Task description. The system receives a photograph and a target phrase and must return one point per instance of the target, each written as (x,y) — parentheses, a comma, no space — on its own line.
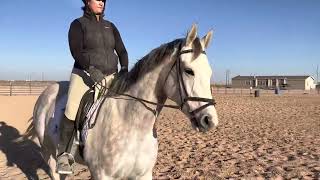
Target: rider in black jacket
(92,44)
(96,46)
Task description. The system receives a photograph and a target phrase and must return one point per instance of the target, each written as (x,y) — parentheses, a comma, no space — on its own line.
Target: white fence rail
(239,91)
(21,88)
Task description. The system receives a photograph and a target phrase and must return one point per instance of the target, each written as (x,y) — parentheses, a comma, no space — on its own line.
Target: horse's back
(48,109)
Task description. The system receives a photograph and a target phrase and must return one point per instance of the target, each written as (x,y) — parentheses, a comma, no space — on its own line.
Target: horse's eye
(189,71)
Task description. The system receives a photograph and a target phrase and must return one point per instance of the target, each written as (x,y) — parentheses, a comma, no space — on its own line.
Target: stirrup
(67,167)
(70,157)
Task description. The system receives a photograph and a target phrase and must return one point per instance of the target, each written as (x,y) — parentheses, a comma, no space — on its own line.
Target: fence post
(30,88)
(10,88)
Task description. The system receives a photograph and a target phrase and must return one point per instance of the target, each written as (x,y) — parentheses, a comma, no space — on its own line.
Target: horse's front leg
(52,164)
(147,176)
(99,175)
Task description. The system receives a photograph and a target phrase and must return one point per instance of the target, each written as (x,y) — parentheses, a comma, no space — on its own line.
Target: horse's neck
(131,115)
(146,87)
(150,88)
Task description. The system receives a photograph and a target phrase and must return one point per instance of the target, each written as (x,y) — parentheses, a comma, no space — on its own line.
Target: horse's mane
(122,83)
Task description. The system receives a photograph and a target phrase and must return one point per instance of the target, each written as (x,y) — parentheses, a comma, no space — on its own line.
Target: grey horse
(123,143)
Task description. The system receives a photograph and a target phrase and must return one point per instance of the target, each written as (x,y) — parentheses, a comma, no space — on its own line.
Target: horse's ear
(206,39)
(192,34)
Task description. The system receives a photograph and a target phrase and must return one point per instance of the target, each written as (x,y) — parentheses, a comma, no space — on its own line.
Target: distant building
(271,82)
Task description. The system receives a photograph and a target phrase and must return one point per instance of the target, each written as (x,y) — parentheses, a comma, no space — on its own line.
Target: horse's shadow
(24,154)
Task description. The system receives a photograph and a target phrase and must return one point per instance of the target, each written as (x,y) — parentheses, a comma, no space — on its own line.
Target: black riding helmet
(84,1)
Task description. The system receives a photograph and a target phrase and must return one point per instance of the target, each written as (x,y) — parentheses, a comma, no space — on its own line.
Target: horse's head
(188,83)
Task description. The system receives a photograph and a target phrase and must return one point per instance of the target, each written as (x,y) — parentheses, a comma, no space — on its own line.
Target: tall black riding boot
(67,131)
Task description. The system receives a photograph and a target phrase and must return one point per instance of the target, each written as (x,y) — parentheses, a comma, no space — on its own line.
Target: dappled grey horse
(123,143)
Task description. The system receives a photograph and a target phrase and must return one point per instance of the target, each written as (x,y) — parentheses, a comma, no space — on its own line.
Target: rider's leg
(79,84)
(66,140)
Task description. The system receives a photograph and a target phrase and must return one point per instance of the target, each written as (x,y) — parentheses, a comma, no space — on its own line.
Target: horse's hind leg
(53,163)
(48,158)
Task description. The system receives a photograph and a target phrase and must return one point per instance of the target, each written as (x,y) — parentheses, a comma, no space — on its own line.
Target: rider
(93,42)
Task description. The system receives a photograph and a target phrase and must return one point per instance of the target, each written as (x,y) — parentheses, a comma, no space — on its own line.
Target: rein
(182,87)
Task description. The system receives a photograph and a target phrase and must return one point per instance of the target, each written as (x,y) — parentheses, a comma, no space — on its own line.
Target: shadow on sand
(25,155)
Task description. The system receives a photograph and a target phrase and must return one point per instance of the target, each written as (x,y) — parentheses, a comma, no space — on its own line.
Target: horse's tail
(30,133)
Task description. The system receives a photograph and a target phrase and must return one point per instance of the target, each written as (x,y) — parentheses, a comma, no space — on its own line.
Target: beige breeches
(79,84)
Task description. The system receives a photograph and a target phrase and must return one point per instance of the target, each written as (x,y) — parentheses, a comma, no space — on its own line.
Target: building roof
(270,77)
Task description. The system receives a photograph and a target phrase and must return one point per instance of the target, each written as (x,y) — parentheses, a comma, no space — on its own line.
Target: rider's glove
(96,75)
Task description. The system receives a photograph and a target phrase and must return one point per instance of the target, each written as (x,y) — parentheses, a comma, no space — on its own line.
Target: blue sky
(262,37)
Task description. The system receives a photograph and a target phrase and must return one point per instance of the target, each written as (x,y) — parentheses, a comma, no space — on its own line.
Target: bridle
(182,88)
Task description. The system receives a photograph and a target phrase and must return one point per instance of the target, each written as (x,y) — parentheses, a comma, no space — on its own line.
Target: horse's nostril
(206,122)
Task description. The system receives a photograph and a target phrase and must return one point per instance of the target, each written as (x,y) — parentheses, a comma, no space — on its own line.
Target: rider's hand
(96,75)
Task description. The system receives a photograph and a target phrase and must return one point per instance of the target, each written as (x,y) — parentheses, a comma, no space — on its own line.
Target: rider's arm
(120,48)
(76,45)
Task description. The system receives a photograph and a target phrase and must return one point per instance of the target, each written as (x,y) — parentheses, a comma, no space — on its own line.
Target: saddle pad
(90,119)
